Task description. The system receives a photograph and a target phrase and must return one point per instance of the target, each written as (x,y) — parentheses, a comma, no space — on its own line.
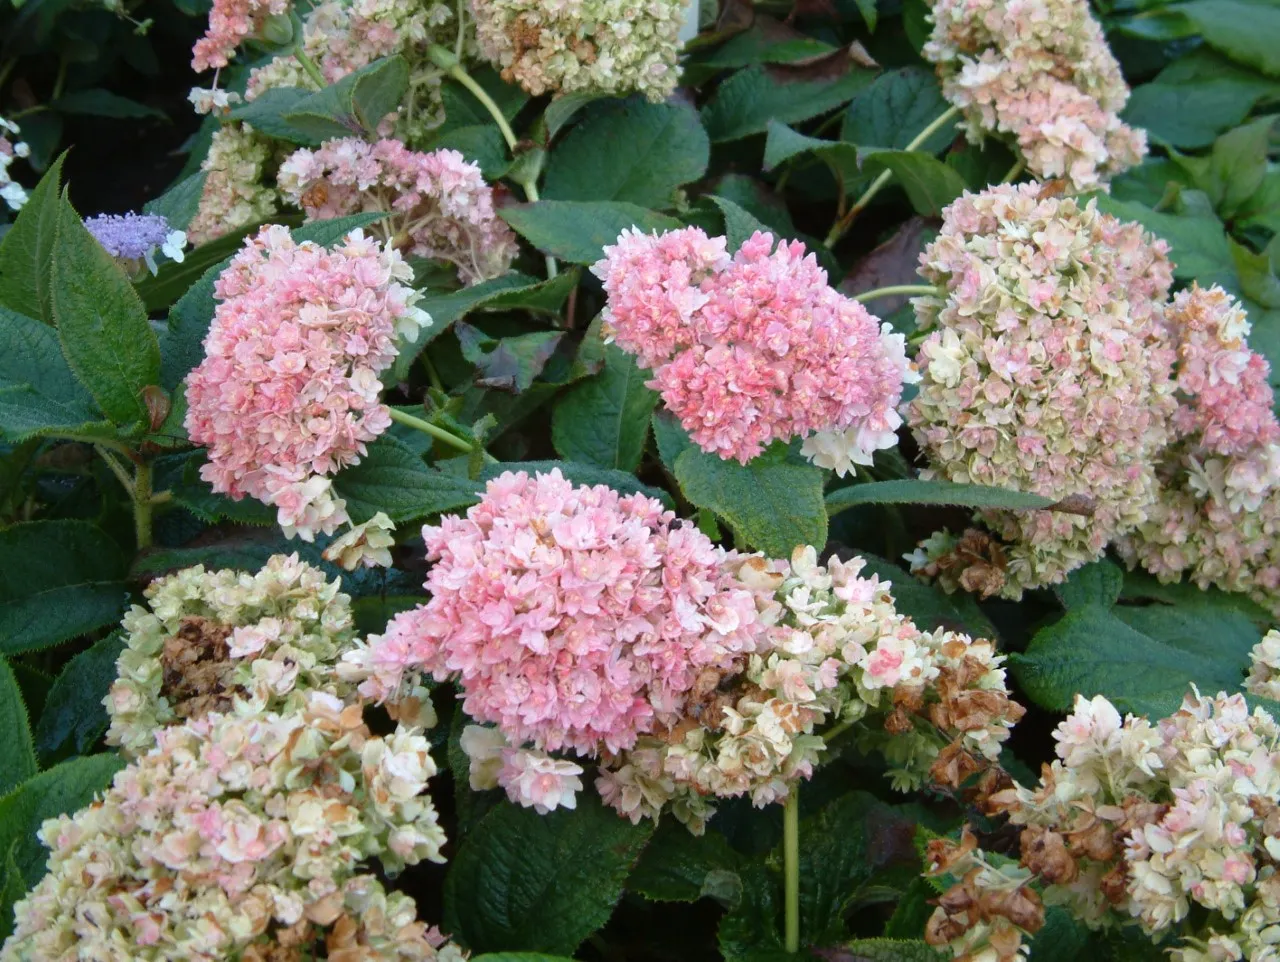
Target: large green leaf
(1091,651)
(834,861)
(178,204)
(27,248)
(604,420)
(74,717)
(1245,31)
(679,867)
(933,492)
(783,144)
(632,151)
(745,103)
(106,337)
(578,231)
(355,105)
(61,790)
(930,184)
(58,579)
(543,883)
(392,479)
(888,950)
(18,760)
(895,109)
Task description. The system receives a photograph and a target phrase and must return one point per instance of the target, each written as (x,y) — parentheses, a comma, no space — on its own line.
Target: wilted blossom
(11,192)
(1217,517)
(572,617)
(1046,370)
(235,193)
(134,238)
(1264,667)
(1039,71)
(750,349)
(602,46)
(1143,823)
(440,206)
(366,545)
(837,651)
(288,391)
(226,641)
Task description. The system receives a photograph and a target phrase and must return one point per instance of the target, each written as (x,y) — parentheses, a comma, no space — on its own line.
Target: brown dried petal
(1045,853)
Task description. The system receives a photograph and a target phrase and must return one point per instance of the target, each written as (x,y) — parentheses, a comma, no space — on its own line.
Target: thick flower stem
(895,290)
(452,65)
(845,222)
(142,504)
(791,869)
(439,433)
(309,66)
(1015,171)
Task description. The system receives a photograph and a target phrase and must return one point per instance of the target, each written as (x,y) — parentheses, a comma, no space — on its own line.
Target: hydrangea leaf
(679,867)
(910,491)
(739,224)
(773,506)
(604,420)
(12,888)
(18,762)
(745,103)
(266,113)
(1099,583)
(632,151)
(392,479)
(1092,651)
(1245,31)
(58,579)
(26,249)
(884,950)
(783,144)
(578,231)
(178,204)
(355,105)
(61,790)
(102,325)
(895,108)
(834,862)
(930,184)
(541,883)
(74,717)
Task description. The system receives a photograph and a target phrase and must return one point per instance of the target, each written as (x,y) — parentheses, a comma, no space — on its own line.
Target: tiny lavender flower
(1041,71)
(604,46)
(440,206)
(754,348)
(11,192)
(1046,370)
(288,390)
(131,238)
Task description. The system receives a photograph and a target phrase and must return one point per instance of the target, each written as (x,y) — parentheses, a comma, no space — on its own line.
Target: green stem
(116,468)
(894,290)
(142,504)
(1014,171)
(791,869)
(162,497)
(439,433)
(844,223)
(309,66)
(836,730)
(462,28)
(61,80)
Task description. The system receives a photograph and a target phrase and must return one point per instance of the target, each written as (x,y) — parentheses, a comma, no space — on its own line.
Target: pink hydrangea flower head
(1038,71)
(230,23)
(1047,369)
(440,206)
(756,347)
(573,617)
(603,46)
(288,390)
(1217,517)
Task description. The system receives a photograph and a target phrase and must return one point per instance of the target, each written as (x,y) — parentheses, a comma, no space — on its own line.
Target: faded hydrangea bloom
(133,239)
(235,192)
(836,651)
(1217,518)
(755,348)
(224,641)
(440,206)
(288,391)
(1264,667)
(1137,821)
(11,192)
(602,46)
(1046,369)
(365,545)
(1040,72)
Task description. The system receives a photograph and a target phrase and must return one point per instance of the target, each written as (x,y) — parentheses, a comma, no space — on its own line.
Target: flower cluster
(288,390)
(134,238)
(11,192)
(750,349)
(230,23)
(235,193)
(1264,667)
(254,795)
(603,46)
(1041,72)
(1218,513)
(934,703)
(1047,370)
(572,617)
(366,545)
(440,206)
(226,641)
(1140,821)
